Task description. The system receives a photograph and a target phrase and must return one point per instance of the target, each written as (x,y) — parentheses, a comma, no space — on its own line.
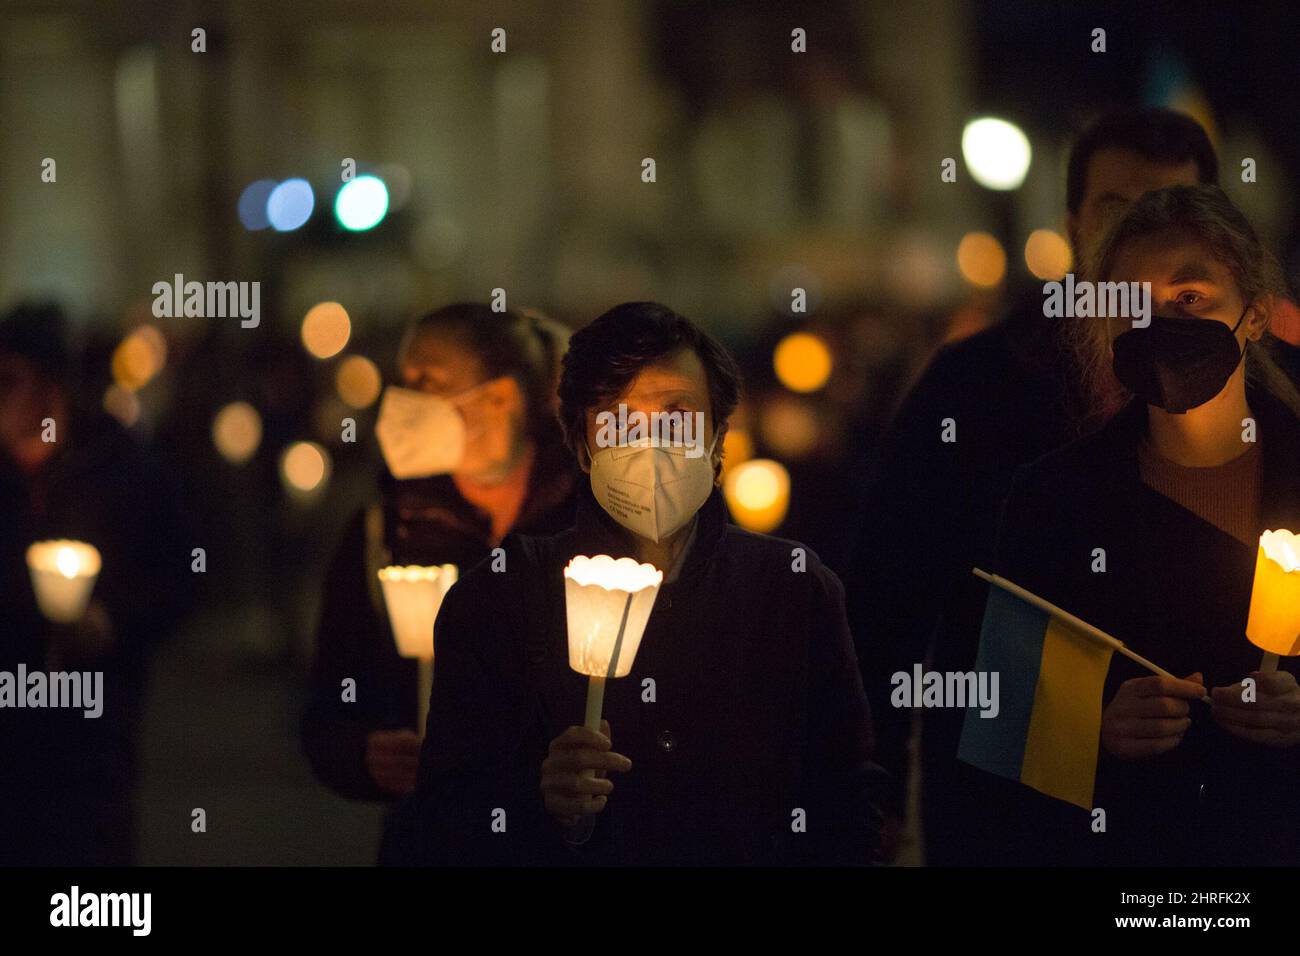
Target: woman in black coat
(451,492)
(1149,530)
(741,735)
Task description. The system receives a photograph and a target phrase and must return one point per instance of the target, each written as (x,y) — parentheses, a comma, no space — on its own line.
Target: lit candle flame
(1283,547)
(67,562)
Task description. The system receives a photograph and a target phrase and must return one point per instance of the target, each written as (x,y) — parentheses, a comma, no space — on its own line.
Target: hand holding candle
(63,576)
(607,605)
(1272,715)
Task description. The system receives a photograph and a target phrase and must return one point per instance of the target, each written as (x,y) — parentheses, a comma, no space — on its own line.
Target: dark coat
(1176,590)
(758,711)
(422,521)
(67,782)
(930,515)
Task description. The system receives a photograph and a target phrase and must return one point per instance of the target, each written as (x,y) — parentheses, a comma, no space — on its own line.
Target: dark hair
(604,357)
(37,331)
(1207,216)
(1159,135)
(523,344)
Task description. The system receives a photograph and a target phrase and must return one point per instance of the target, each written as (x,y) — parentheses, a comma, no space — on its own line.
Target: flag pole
(1030,597)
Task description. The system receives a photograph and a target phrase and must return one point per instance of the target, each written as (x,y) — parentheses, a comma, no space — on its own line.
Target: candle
(413,595)
(63,576)
(607,603)
(1274,620)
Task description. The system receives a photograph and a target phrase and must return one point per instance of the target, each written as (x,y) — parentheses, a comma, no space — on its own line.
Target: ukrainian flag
(1051,677)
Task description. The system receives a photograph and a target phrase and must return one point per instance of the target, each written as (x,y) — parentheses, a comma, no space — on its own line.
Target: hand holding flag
(1054,671)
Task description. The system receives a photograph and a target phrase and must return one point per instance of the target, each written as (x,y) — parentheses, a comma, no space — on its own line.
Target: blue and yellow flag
(1051,678)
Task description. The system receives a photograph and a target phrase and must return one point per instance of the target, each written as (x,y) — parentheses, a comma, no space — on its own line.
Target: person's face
(1116,178)
(494,413)
(25,399)
(675,383)
(1187,282)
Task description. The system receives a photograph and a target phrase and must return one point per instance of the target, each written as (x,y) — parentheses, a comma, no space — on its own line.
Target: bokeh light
(789,426)
(252,204)
(981,259)
(358,381)
(326,329)
(802,362)
(1047,254)
(138,358)
(304,469)
(290,204)
(237,432)
(737,448)
(362,203)
(123,404)
(997,153)
(758,494)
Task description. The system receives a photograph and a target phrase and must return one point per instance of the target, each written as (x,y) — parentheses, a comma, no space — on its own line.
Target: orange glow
(737,448)
(981,260)
(758,494)
(326,330)
(1047,254)
(138,358)
(1274,620)
(789,426)
(122,404)
(237,432)
(304,467)
(358,381)
(802,362)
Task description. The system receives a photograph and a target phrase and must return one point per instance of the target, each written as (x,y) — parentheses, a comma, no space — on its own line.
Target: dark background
(522,171)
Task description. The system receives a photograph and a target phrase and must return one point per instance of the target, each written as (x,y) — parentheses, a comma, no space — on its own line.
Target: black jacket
(1176,590)
(423,521)
(930,514)
(757,712)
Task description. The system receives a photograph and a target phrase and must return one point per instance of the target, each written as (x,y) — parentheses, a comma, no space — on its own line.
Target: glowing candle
(63,576)
(607,603)
(1274,621)
(413,596)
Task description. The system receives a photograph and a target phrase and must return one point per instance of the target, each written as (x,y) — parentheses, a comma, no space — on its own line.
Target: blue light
(362,203)
(290,204)
(252,204)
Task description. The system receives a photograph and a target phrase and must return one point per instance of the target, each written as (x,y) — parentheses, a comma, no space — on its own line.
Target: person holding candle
(1149,530)
(741,734)
(472,452)
(70,471)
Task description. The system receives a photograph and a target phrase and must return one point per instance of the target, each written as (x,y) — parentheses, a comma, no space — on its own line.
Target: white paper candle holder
(607,603)
(63,577)
(413,595)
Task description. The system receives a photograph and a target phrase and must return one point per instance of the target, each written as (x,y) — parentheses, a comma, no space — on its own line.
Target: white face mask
(651,491)
(421,434)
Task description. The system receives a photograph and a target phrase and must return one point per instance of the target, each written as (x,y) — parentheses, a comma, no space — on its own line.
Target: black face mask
(1177,363)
